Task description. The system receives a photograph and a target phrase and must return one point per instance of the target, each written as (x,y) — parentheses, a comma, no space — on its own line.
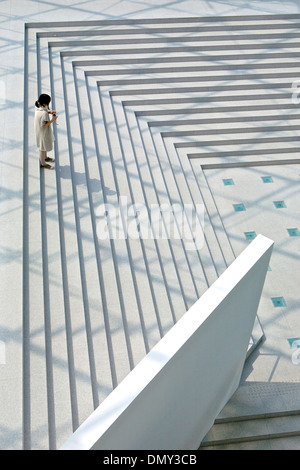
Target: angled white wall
(171,398)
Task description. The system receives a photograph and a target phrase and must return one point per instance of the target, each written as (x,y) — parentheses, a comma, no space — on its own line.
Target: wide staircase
(266,431)
(144,106)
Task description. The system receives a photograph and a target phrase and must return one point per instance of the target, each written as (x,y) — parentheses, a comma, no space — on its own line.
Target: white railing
(172,397)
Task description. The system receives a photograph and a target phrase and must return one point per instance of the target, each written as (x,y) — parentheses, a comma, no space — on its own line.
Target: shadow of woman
(93,184)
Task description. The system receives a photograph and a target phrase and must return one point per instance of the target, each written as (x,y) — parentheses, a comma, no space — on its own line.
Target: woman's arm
(50,122)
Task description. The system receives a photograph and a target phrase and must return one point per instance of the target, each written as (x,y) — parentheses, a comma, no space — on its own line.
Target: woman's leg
(43,159)
(43,155)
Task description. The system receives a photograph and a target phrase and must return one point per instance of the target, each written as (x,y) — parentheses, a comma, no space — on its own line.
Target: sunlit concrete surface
(130,126)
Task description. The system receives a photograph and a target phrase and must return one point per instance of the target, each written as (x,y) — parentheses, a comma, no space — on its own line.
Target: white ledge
(171,398)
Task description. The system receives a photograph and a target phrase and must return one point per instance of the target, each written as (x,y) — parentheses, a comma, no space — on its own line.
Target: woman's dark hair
(43,99)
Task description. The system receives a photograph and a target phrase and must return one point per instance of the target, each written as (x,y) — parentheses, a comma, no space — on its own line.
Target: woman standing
(43,131)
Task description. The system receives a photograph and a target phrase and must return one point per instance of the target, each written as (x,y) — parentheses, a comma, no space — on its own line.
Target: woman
(43,131)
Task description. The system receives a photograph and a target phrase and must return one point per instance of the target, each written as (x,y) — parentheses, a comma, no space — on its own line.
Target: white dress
(44,138)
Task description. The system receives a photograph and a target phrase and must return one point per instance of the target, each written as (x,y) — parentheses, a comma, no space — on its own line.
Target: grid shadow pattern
(145,108)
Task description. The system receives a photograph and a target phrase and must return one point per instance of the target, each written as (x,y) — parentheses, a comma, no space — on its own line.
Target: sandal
(48,159)
(49,167)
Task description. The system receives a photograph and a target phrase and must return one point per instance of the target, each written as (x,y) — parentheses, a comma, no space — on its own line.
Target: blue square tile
(279,204)
(294,342)
(293,232)
(239,207)
(250,235)
(228,182)
(278,302)
(267,179)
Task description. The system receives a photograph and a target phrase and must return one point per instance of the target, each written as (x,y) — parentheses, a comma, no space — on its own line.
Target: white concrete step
(253,431)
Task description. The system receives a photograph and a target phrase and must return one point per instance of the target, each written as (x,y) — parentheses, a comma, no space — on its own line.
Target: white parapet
(172,397)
